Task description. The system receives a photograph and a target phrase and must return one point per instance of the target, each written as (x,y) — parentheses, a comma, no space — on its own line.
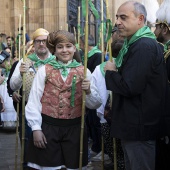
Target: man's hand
(110,66)
(39,139)
(23,68)
(16,97)
(2,78)
(86,86)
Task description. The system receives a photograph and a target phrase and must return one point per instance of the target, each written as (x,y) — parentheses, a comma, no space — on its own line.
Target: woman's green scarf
(38,62)
(143,32)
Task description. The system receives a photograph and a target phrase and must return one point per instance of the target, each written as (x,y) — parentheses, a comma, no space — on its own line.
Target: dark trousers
(28,133)
(139,155)
(94,129)
(163,154)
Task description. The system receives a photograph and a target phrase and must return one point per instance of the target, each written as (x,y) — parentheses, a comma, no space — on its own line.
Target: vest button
(60,105)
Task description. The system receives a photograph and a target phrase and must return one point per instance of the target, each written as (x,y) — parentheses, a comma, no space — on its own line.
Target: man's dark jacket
(139,89)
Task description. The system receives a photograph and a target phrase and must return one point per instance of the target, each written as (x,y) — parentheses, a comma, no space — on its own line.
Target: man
(40,57)
(30,67)
(10,44)
(92,120)
(2,43)
(137,79)
(162,33)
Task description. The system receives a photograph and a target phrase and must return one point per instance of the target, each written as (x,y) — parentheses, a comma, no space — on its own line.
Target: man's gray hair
(91,40)
(140,9)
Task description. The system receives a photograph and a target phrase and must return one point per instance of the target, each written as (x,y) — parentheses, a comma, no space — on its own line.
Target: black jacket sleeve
(10,91)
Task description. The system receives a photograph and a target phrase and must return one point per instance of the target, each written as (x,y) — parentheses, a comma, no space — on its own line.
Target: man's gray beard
(42,53)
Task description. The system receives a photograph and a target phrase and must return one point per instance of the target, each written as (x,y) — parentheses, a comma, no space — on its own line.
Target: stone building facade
(49,14)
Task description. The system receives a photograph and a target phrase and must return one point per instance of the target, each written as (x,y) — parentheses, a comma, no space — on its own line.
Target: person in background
(34,61)
(2,43)
(162,33)
(9,115)
(103,112)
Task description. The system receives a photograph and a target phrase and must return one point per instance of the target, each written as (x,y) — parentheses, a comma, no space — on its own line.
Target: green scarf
(102,65)
(93,51)
(166,46)
(143,32)
(64,72)
(38,62)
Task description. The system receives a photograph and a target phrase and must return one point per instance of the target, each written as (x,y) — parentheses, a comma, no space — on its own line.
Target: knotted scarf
(38,62)
(142,32)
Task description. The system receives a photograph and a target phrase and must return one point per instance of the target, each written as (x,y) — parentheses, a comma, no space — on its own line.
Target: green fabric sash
(92,7)
(73,90)
(38,62)
(64,72)
(166,46)
(143,32)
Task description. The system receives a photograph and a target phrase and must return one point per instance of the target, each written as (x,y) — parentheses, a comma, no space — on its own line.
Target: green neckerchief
(64,72)
(38,62)
(102,65)
(166,46)
(143,32)
(93,51)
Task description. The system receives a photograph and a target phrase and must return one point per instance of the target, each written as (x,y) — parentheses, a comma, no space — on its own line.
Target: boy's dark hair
(12,38)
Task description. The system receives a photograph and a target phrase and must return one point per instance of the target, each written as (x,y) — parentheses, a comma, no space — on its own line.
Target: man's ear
(165,30)
(141,19)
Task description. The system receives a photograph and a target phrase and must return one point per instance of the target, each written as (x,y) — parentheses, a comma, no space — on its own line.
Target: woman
(54,107)
(8,115)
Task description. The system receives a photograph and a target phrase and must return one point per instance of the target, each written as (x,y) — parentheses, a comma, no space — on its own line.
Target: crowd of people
(126,96)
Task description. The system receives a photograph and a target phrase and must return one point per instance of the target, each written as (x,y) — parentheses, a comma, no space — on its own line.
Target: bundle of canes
(84,95)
